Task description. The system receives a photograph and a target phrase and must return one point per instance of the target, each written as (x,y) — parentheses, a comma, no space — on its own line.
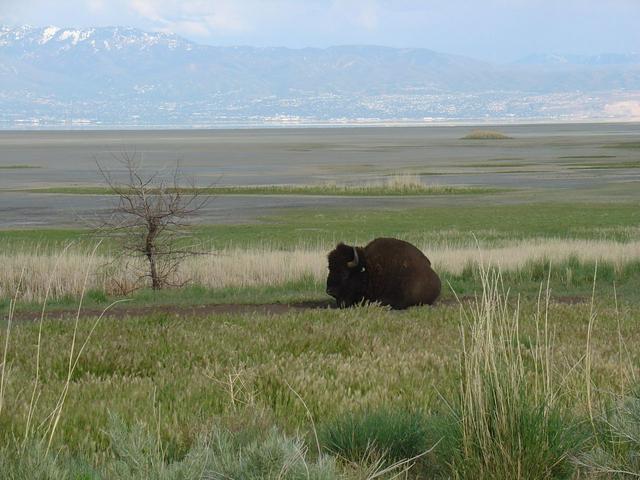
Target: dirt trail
(123,310)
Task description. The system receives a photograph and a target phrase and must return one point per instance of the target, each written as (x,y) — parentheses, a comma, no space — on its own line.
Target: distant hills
(605,59)
(124,76)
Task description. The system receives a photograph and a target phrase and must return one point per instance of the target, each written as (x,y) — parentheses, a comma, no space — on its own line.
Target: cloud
(216,18)
(364,14)
(96,6)
(368,18)
(194,17)
(186,28)
(147,9)
(493,29)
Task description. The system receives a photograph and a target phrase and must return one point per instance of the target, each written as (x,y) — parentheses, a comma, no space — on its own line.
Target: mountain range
(121,76)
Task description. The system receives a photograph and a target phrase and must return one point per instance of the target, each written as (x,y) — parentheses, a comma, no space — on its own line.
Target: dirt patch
(230,308)
(181,310)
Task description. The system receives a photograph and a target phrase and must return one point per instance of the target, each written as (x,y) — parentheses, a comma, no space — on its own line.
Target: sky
(493,30)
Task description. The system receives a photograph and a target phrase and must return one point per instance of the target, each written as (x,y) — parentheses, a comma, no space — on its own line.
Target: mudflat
(555,162)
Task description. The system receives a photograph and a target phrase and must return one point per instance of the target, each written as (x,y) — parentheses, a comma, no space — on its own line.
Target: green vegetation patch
(319,190)
(179,377)
(586,156)
(451,224)
(441,224)
(486,135)
(625,145)
(18,167)
(136,452)
(391,434)
(617,449)
(603,166)
(499,165)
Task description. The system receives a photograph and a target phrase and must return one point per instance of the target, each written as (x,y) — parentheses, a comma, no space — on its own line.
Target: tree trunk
(150,252)
(153,270)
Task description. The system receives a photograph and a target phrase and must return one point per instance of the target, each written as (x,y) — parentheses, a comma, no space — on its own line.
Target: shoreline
(319,125)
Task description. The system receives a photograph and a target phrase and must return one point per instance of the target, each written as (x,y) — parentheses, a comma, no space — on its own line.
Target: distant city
(123,77)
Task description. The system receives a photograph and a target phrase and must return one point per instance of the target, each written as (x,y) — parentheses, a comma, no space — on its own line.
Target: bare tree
(151,216)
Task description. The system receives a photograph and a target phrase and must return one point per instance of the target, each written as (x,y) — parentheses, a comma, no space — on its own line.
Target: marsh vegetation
(486,135)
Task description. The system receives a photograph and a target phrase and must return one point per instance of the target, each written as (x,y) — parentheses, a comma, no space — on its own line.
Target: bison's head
(347,279)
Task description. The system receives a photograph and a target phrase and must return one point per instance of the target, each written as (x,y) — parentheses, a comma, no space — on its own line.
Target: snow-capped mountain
(122,75)
(51,39)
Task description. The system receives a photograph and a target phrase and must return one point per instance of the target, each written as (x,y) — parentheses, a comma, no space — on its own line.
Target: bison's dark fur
(389,271)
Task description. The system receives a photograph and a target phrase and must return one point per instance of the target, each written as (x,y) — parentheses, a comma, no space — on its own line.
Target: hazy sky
(488,29)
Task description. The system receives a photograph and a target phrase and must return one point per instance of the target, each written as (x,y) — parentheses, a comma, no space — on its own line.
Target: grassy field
(345,394)
(311,372)
(448,224)
(240,265)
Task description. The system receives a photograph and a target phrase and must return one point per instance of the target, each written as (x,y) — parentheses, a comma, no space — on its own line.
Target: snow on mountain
(25,38)
(48,34)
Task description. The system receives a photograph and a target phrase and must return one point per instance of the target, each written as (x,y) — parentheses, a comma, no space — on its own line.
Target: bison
(389,271)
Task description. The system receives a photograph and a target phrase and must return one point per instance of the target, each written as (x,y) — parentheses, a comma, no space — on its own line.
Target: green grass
(191,391)
(192,295)
(501,165)
(318,190)
(440,224)
(586,156)
(18,167)
(625,145)
(183,375)
(603,166)
(393,435)
(485,135)
(52,237)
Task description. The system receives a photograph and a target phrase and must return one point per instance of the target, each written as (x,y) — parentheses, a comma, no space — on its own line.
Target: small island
(486,135)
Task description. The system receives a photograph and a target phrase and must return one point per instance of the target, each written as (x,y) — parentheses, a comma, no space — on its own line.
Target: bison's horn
(354,263)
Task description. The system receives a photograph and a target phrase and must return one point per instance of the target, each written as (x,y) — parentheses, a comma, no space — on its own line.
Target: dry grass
(396,184)
(508,413)
(63,271)
(517,255)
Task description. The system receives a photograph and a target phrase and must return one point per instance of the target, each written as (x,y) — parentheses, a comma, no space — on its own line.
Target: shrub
(32,462)
(220,455)
(617,447)
(485,135)
(511,426)
(394,435)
